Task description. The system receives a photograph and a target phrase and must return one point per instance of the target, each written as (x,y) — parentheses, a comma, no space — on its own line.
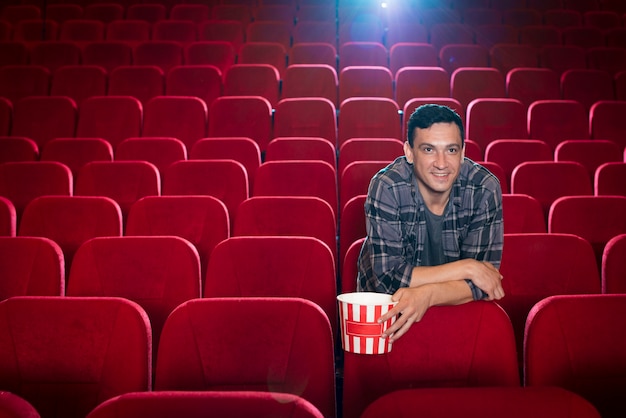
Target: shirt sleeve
(485,238)
(383,266)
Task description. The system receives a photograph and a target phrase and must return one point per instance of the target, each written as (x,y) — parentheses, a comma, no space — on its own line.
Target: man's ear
(408,152)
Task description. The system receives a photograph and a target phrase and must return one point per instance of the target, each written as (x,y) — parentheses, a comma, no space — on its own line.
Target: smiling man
(434,224)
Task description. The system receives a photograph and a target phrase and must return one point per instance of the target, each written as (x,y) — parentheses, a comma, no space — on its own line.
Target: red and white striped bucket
(358,314)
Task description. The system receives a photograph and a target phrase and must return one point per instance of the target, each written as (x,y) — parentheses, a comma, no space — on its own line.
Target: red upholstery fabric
(470,402)
(613,268)
(365,81)
(202,81)
(18,148)
(79,82)
(310,80)
(306,116)
(76,152)
(453,56)
(271,266)
(529,84)
(113,118)
(142,82)
(469,83)
(148,12)
(220,54)
(546,181)
(32,266)
(492,119)
(412,82)
(131,31)
(164,54)
(108,54)
(249,116)
(465,345)
(287,215)
(123,181)
(355,179)
(369,149)
(544,114)
(273,30)
(298,178)
(301,148)
(6,116)
(411,54)
(180,117)
(262,344)
(362,54)
(195,12)
(231,31)
(317,50)
(241,149)
(8,218)
(609,178)
(83,351)
(18,81)
(21,182)
(561,58)
(522,214)
(510,55)
(368,117)
(71,220)
(157,272)
(192,178)
(577,343)
(587,86)
(179,31)
(13,406)
(54,54)
(193,404)
(591,153)
(43,118)
(201,220)
(595,218)
(160,151)
(604,120)
(551,272)
(272,53)
(509,153)
(253,80)
(349,270)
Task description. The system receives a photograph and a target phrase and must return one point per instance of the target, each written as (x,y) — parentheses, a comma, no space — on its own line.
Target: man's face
(436,155)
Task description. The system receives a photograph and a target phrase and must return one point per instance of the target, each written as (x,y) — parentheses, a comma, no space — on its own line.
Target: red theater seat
(76,152)
(160,151)
(545,121)
(142,82)
(194,404)
(301,148)
(480,352)
(18,148)
(8,218)
(233,336)
(79,82)
(42,118)
(31,266)
(522,214)
(368,117)
(202,81)
(490,119)
(86,350)
(253,80)
(591,153)
(531,84)
(365,81)
(306,117)
(201,220)
(613,269)
(220,54)
(310,80)
(274,266)
(575,342)
(609,179)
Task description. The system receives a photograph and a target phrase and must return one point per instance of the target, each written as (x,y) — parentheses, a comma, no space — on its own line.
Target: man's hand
(411,307)
(486,277)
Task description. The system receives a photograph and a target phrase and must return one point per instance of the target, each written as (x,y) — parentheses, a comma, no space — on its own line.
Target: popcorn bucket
(358,316)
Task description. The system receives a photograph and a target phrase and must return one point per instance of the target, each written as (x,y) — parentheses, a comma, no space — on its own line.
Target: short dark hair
(426,115)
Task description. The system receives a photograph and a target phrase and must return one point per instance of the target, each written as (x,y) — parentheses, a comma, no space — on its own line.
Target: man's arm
(413,303)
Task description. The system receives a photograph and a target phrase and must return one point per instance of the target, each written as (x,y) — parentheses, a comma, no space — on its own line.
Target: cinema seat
(480,351)
(14,406)
(157,150)
(86,350)
(18,148)
(522,214)
(31,266)
(42,118)
(194,404)
(261,344)
(201,220)
(76,152)
(275,266)
(576,343)
(608,179)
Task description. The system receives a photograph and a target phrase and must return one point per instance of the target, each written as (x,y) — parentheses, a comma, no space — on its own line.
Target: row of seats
(167,54)
(287,34)
(115,118)
(559,207)
(264,344)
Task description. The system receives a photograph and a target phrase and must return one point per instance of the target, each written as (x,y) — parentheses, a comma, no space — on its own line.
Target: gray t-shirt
(433,247)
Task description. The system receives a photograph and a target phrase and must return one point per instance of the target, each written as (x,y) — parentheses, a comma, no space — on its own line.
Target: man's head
(426,115)
(435,147)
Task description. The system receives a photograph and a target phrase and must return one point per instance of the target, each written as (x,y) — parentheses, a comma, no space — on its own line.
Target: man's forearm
(451,293)
(449,272)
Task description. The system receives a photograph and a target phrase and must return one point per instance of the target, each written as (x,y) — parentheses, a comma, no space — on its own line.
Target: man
(434,224)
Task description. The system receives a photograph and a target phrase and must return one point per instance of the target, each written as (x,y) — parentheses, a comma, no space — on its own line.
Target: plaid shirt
(396,225)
